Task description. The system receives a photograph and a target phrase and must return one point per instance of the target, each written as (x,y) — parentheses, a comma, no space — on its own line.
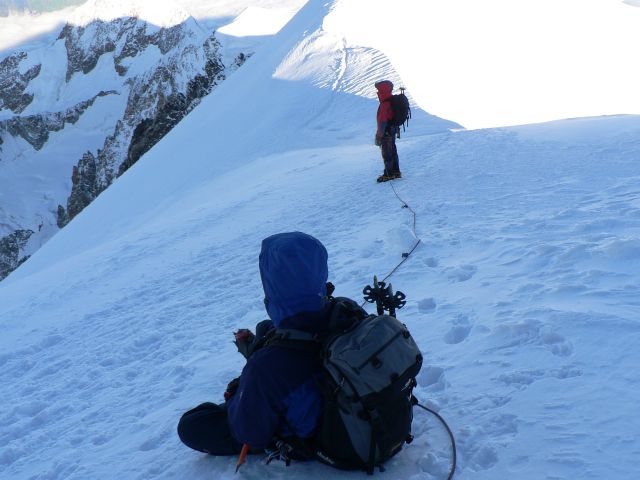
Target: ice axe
(382,295)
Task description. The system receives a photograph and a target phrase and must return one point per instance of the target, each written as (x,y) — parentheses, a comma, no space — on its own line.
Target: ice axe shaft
(243,456)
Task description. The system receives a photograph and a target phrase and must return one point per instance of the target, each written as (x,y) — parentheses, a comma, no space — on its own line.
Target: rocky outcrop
(11,248)
(13,83)
(35,129)
(150,130)
(126,37)
(83,56)
(85,185)
(156,103)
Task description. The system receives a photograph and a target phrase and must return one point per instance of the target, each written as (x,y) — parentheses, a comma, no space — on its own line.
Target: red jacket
(385,112)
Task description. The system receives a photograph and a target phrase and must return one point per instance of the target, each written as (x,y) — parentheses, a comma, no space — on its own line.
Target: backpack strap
(344,313)
(290,338)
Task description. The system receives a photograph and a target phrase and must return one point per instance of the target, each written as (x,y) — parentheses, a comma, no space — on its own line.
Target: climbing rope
(454,455)
(405,255)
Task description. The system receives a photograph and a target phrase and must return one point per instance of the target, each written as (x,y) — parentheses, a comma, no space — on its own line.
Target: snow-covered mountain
(75,114)
(522,294)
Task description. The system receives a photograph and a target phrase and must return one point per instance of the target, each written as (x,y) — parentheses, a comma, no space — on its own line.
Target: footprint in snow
(461,273)
(472,445)
(431,262)
(426,305)
(433,466)
(520,379)
(459,331)
(432,378)
(531,332)
(457,334)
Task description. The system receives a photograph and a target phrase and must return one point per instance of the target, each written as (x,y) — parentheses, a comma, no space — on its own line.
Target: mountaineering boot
(384,178)
(396,175)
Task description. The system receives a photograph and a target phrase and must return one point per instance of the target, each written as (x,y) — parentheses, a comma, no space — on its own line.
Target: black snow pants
(206,429)
(390,152)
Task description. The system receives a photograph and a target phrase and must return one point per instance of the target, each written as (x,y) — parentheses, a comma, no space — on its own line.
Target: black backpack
(401,109)
(370,363)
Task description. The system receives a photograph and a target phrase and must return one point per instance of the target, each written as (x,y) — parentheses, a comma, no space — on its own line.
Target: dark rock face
(150,130)
(83,57)
(11,247)
(155,105)
(13,83)
(126,37)
(85,185)
(61,217)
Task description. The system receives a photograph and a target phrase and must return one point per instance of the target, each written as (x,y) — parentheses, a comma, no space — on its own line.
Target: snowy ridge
(257,21)
(161,14)
(522,294)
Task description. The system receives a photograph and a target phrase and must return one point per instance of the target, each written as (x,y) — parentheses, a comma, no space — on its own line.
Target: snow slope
(522,294)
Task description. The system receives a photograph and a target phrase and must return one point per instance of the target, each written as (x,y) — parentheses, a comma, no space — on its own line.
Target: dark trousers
(390,153)
(206,429)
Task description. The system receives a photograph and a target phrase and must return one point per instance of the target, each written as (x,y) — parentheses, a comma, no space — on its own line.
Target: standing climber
(386,132)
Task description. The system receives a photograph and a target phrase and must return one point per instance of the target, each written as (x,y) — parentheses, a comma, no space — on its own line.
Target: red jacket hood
(385,90)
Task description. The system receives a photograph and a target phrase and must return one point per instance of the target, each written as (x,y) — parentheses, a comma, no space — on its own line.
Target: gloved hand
(244,339)
(378,140)
(231,389)
(330,289)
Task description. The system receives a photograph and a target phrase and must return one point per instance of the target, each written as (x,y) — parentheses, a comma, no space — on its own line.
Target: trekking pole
(243,456)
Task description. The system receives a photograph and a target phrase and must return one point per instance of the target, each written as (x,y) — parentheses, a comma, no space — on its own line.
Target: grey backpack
(370,364)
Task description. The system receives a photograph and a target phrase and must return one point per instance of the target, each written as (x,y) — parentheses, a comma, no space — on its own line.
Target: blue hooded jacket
(278,389)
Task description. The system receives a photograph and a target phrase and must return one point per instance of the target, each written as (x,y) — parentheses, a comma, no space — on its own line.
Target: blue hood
(293,268)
